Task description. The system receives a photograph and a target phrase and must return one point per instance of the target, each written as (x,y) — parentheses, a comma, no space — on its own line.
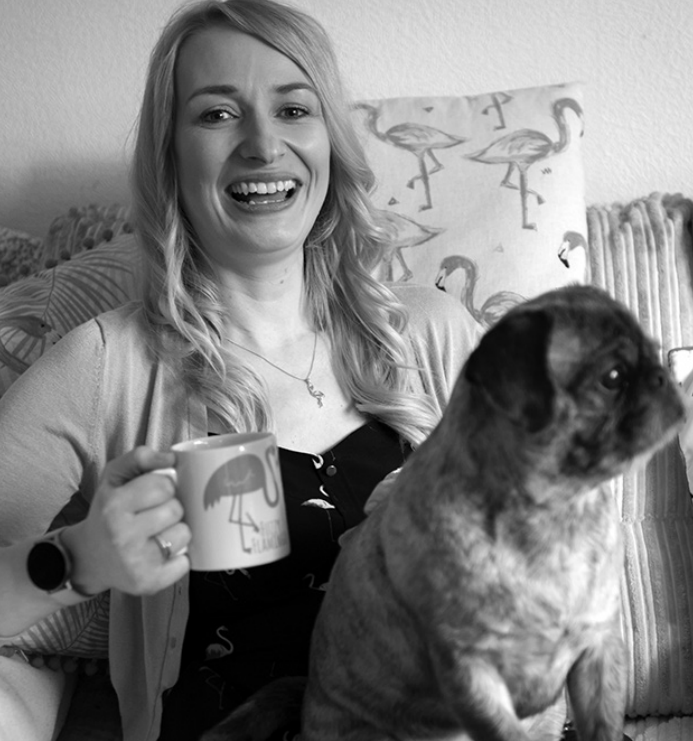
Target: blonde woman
(251,202)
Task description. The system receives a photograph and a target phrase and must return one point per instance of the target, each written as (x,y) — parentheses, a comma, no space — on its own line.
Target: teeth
(263,188)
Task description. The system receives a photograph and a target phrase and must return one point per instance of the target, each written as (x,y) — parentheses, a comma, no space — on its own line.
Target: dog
(486,581)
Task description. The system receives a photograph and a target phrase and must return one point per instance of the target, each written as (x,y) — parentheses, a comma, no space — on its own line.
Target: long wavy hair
(182,304)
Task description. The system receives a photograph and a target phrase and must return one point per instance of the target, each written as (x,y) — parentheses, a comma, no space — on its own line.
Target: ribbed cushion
(641,253)
(660,729)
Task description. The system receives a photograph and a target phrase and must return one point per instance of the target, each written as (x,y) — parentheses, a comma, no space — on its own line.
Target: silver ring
(165,546)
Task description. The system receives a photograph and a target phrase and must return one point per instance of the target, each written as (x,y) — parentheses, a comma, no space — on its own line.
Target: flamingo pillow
(485,193)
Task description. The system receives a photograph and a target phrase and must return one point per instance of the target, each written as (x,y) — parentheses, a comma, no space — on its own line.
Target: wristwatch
(49,565)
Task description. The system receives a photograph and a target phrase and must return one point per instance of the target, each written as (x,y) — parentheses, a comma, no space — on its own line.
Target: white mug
(231,490)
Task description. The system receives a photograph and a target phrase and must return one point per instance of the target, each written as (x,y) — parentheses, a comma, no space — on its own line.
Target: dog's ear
(510,365)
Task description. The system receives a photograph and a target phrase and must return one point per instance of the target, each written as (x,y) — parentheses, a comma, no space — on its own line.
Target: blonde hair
(362,318)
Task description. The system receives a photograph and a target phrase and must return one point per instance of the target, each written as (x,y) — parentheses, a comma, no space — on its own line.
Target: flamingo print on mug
(231,490)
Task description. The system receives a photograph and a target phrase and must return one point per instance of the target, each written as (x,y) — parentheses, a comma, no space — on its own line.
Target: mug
(231,490)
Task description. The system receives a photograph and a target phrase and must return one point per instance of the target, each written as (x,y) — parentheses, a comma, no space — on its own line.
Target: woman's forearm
(22,603)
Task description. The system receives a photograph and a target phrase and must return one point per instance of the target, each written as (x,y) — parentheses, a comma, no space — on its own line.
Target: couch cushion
(79,630)
(485,193)
(660,729)
(640,252)
(85,227)
(37,311)
(20,255)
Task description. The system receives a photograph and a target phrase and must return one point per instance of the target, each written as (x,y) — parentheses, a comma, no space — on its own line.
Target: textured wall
(72,74)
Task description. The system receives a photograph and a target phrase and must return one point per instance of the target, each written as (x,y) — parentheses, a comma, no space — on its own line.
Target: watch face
(46,566)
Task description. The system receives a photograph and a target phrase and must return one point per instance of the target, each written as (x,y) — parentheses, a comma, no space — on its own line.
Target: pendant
(314,392)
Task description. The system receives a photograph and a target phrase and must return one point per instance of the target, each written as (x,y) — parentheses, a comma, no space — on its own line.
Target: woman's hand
(116,545)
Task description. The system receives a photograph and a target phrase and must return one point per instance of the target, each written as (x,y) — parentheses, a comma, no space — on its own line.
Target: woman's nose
(260,141)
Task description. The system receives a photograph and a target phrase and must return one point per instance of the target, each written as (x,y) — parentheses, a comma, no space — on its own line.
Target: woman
(259,312)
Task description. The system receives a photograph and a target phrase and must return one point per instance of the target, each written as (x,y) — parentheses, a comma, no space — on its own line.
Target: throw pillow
(484,193)
(640,253)
(36,312)
(85,228)
(20,255)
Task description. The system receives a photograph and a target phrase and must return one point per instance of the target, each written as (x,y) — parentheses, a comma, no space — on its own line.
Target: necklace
(315,393)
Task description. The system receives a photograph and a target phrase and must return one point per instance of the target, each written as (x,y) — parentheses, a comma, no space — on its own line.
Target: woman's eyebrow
(291,86)
(230,90)
(227,90)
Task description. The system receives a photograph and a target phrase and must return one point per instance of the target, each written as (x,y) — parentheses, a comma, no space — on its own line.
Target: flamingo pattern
(322,504)
(419,139)
(406,233)
(311,583)
(215,682)
(521,149)
(493,308)
(498,100)
(237,478)
(571,241)
(219,649)
(219,579)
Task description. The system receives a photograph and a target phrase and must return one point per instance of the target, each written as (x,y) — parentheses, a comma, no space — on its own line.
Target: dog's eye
(614,378)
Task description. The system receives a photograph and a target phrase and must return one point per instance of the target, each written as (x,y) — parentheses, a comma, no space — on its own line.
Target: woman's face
(251,149)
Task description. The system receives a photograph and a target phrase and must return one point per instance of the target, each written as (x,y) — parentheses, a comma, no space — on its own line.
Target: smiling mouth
(262,193)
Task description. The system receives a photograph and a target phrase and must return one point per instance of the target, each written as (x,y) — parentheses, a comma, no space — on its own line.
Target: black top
(249,626)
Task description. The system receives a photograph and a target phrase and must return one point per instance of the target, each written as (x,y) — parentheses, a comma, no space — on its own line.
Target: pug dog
(486,582)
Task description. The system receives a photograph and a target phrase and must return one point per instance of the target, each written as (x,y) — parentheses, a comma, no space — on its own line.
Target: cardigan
(107,393)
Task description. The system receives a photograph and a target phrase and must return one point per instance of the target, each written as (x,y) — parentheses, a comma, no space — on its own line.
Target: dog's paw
(381,491)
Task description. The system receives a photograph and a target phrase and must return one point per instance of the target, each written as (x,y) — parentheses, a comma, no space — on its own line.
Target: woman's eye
(614,378)
(216,115)
(294,111)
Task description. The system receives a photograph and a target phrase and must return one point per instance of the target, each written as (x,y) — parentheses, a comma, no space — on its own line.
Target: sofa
(485,198)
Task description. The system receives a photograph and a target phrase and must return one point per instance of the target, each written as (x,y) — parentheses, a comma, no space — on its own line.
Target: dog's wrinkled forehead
(587,323)
(587,309)
(578,303)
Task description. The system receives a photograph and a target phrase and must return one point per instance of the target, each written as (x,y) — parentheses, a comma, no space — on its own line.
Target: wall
(72,72)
